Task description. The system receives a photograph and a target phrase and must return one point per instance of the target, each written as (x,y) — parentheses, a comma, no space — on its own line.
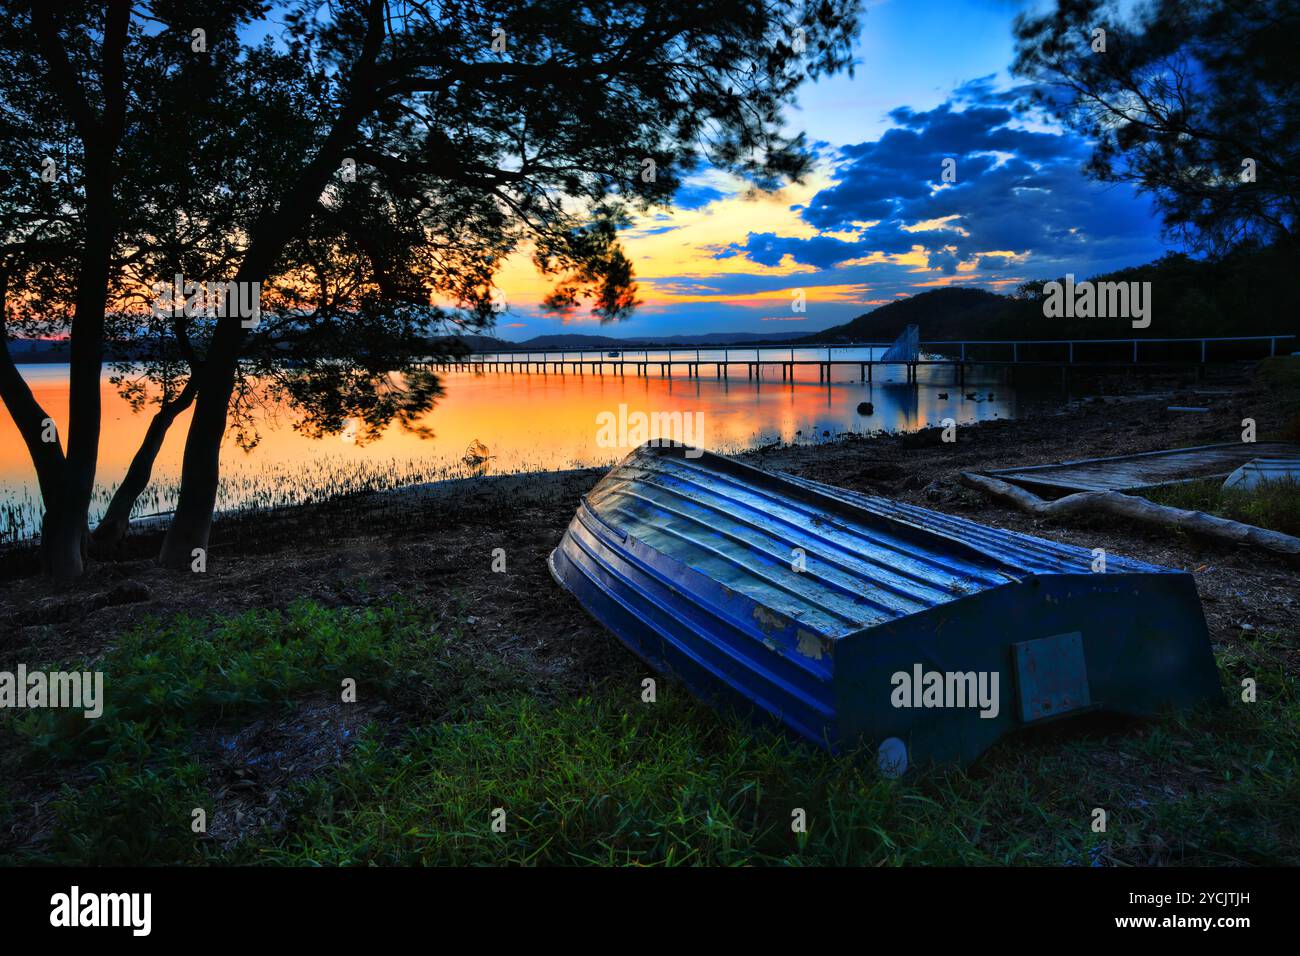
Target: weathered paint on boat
(805,603)
(1151,469)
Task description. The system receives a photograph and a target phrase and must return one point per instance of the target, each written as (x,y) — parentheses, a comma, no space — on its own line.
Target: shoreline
(1113,389)
(438,537)
(429,554)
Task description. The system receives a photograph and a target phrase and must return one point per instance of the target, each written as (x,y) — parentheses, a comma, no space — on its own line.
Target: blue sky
(876,221)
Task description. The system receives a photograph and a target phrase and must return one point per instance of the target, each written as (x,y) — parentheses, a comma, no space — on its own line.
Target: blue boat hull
(835,613)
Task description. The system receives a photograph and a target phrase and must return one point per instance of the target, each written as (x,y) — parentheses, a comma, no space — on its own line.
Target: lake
(528,422)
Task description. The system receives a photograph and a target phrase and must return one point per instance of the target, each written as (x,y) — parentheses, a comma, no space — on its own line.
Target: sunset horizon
(874,221)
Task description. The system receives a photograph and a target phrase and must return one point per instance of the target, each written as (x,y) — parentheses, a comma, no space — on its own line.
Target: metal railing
(709,354)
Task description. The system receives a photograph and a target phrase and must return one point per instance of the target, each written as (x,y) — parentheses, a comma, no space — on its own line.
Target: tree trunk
(63,544)
(113,526)
(64,529)
(1138,509)
(62,551)
(200,470)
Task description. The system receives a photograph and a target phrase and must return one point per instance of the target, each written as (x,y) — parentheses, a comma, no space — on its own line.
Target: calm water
(528,422)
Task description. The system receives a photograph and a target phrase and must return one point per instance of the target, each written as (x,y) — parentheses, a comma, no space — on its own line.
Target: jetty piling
(941,354)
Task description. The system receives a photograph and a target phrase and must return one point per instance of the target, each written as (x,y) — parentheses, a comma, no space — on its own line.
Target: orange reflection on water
(527,421)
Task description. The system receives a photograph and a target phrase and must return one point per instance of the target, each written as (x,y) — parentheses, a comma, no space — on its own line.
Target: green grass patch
(1274,505)
(607,779)
(1281,376)
(136,770)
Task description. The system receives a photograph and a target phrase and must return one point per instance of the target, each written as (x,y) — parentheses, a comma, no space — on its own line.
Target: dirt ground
(435,545)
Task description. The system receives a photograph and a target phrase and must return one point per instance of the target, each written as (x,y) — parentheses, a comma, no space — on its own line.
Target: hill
(1248,292)
(579,340)
(941,313)
(35,351)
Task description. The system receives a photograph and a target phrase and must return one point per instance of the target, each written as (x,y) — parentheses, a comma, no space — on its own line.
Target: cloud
(945,260)
(652,231)
(696,195)
(995,263)
(1019,196)
(875,221)
(769,249)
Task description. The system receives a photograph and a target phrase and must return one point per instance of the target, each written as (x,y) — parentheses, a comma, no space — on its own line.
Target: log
(1137,509)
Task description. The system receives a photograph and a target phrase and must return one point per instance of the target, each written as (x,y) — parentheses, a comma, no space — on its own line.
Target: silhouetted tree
(1195,101)
(370,164)
(199,146)
(60,138)
(537,124)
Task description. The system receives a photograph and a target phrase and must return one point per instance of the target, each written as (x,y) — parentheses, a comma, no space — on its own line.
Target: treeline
(1251,291)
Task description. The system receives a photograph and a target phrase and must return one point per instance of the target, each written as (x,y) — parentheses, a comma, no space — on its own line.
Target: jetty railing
(954,353)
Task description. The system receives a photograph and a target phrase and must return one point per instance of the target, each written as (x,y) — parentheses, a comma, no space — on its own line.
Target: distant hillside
(475,343)
(941,314)
(568,341)
(1249,292)
(32,351)
(578,340)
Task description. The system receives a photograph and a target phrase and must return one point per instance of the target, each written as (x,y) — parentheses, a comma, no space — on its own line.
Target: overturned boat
(859,620)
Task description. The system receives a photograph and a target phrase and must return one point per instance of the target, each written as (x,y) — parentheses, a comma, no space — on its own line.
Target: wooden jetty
(1151,469)
(763,361)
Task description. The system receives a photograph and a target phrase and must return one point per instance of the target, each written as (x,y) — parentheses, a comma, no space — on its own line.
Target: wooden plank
(1146,470)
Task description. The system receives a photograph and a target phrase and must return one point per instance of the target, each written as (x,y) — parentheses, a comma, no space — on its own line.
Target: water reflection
(516,421)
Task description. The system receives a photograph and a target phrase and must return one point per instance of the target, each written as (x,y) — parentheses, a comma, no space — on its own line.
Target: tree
(61,139)
(366,167)
(1192,100)
(177,204)
(344,316)
(540,118)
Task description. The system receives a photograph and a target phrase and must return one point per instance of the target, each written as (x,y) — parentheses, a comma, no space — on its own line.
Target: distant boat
(613,354)
(857,619)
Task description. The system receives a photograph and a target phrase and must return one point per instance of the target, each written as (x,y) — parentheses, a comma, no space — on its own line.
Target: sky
(875,220)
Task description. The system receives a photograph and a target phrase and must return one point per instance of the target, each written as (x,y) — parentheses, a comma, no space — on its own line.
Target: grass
(1281,376)
(607,779)
(1274,505)
(1281,372)
(138,768)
